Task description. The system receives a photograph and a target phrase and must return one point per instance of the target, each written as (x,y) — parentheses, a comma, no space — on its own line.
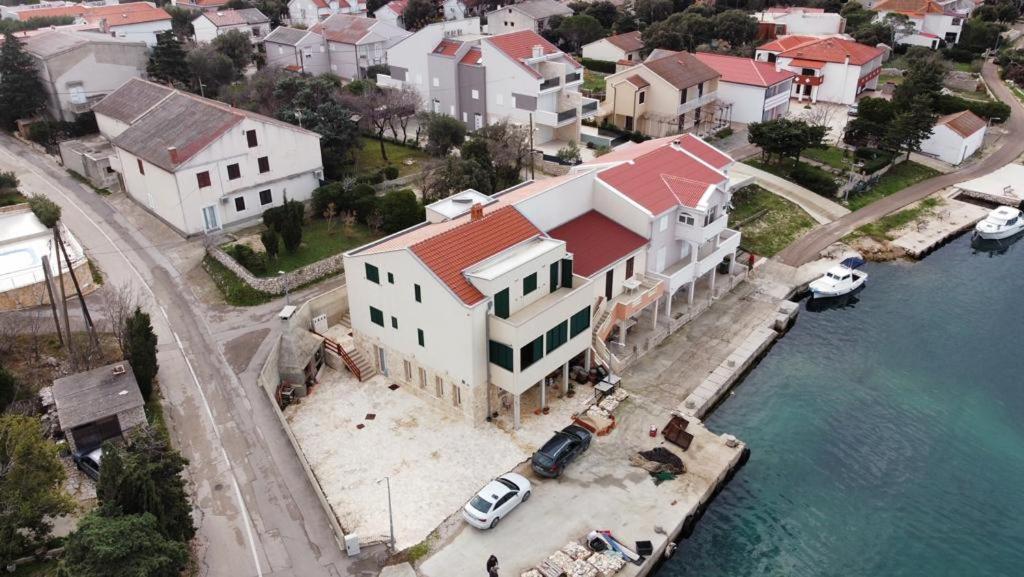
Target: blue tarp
(852,262)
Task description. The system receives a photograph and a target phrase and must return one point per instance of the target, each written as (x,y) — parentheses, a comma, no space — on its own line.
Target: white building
(529,15)
(787,20)
(309,12)
(625,47)
(200,165)
(932,21)
(492,296)
(757,91)
(248,21)
(392,11)
(343,44)
(134,21)
(956,137)
(828,69)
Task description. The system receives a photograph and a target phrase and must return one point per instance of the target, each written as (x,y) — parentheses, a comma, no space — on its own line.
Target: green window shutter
(417,293)
(553,276)
(579,322)
(557,336)
(567,272)
(531,352)
(419,337)
(372,274)
(376,316)
(529,284)
(501,355)
(391,278)
(394,323)
(501,304)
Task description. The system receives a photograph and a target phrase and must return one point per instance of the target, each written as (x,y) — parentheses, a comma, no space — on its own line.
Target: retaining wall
(276,285)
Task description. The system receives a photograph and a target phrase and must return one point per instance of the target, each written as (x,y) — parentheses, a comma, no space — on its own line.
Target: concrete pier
(947,221)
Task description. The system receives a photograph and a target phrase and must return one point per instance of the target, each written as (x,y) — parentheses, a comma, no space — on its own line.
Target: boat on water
(1002,222)
(840,280)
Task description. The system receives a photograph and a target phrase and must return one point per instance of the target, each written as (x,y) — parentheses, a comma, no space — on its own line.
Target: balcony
(555,119)
(809,80)
(588,108)
(694,103)
(573,77)
(550,83)
(699,234)
(699,262)
(566,115)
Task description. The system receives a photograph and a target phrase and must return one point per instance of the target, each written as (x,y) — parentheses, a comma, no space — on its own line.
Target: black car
(560,450)
(88,462)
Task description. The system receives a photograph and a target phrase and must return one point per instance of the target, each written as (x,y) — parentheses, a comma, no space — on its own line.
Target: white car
(496,500)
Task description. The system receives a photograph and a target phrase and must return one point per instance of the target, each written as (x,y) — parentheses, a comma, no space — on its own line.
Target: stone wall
(35,294)
(276,285)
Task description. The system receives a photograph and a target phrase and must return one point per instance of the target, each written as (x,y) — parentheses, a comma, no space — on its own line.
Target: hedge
(599,65)
(817,180)
(990,110)
(873,159)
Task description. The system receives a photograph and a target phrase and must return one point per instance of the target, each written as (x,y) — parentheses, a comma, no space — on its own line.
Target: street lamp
(281,272)
(391,519)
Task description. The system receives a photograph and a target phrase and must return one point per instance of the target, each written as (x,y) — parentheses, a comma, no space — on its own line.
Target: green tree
(418,13)
(874,33)
(8,388)
(210,70)
(856,16)
(579,30)
(735,27)
(21,90)
(783,137)
(146,477)
(290,225)
(910,127)
(870,125)
(181,21)
(31,480)
(484,178)
(107,545)
(141,344)
(604,11)
(444,133)
(167,62)
(681,31)
(237,47)
(47,211)
(978,36)
(269,240)
(923,78)
(651,11)
(401,209)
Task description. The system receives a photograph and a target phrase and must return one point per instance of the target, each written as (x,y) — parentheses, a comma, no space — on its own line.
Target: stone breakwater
(276,285)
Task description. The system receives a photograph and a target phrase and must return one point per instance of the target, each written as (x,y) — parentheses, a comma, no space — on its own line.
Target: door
(629,268)
(382,361)
(210,219)
(609,279)
(501,304)
(504,505)
(629,123)
(659,260)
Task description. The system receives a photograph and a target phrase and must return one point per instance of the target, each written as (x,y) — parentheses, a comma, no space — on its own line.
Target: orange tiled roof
(741,70)
(596,241)
(663,179)
(54,12)
(519,46)
(124,14)
(917,7)
(447,47)
(629,41)
(473,56)
(833,50)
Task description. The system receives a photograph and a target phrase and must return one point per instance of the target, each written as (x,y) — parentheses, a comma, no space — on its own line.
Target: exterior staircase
(346,321)
(355,361)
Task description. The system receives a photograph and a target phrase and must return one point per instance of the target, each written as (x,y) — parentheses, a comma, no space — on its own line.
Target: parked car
(560,450)
(852,110)
(496,500)
(88,462)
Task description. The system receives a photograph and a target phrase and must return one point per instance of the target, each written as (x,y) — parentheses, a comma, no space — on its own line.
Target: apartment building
(754,91)
(788,20)
(621,47)
(201,165)
(343,44)
(534,15)
(668,93)
(308,12)
(493,298)
(248,21)
(828,69)
(933,22)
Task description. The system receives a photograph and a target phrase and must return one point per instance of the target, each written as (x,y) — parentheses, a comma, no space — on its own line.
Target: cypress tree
(167,62)
(141,343)
(21,90)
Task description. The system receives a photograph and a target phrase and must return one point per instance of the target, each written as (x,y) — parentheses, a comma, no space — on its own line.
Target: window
(456,396)
(372,274)
(142,169)
(682,97)
(423,378)
(417,293)
(203,179)
(643,95)
(436,82)
(439,386)
(234,172)
(420,338)
(391,278)
(394,323)
(465,116)
(264,164)
(531,353)
(498,99)
(266,197)
(685,218)
(700,90)
(501,304)
(478,121)
(529,284)
(553,276)
(663,223)
(629,268)
(408,370)
(500,354)
(711,216)
(557,336)
(377,316)
(250,137)
(475,94)
(566,272)
(579,322)
(239,203)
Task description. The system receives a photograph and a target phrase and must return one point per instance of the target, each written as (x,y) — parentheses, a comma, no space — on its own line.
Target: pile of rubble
(599,417)
(575,560)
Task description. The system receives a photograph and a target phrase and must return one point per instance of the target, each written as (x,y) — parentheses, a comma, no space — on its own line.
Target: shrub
(373,71)
(47,211)
(250,259)
(270,244)
(816,180)
(390,172)
(958,54)
(724,133)
(989,110)
(401,209)
(8,181)
(605,66)
(638,136)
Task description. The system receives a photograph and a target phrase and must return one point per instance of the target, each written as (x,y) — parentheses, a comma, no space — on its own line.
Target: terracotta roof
(596,241)
(398,6)
(625,62)
(131,100)
(447,47)
(450,253)
(473,56)
(744,70)
(56,11)
(918,7)
(834,50)
(345,28)
(704,151)
(125,14)
(681,69)
(662,179)
(964,123)
(236,17)
(630,41)
(206,3)
(519,47)
(321,4)
(806,63)
(784,43)
(638,81)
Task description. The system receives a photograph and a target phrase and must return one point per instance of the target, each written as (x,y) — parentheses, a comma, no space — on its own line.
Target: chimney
(538,51)
(173,152)
(476,212)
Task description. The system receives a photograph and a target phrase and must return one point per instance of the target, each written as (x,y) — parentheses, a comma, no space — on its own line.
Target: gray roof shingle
(55,42)
(131,100)
(286,35)
(86,397)
(538,9)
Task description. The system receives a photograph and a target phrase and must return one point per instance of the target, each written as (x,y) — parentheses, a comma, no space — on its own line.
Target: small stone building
(301,358)
(98,405)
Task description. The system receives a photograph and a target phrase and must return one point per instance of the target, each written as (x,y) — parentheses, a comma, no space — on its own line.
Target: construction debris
(576,551)
(531,573)
(561,560)
(607,564)
(581,568)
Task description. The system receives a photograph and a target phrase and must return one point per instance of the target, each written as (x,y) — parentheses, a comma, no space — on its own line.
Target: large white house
(248,21)
(787,20)
(343,44)
(828,69)
(491,297)
(756,91)
(200,165)
(532,15)
(932,21)
(134,21)
(392,11)
(626,47)
(955,137)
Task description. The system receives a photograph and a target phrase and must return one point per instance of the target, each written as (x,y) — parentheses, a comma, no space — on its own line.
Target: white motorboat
(1002,222)
(841,279)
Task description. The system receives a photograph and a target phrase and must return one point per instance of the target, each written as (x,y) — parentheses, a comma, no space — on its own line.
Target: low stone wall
(276,285)
(35,294)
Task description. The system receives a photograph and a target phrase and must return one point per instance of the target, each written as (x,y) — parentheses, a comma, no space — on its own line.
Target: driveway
(810,245)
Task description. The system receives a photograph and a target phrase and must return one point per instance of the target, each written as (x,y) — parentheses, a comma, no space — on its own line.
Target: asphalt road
(810,246)
(256,511)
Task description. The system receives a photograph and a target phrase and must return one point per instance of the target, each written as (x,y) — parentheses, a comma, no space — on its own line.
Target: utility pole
(89,326)
(391,519)
(533,169)
(48,279)
(63,299)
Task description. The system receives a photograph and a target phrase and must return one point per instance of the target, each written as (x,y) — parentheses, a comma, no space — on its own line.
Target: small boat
(841,279)
(1002,222)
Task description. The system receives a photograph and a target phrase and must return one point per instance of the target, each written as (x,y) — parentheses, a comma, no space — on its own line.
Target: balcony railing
(695,103)
(566,114)
(588,107)
(574,77)
(809,80)
(698,233)
(550,83)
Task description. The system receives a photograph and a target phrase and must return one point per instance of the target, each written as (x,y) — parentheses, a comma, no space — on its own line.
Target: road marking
(181,349)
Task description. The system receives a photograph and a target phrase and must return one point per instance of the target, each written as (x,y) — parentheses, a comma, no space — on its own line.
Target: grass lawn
(368,160)
(768,222)
(886,78)
(899,177)
(318,244)
(880,229)
(36,569)
(593,81)
(832,156)
(974,66)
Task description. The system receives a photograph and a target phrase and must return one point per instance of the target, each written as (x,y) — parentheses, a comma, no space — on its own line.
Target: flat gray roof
(87,397)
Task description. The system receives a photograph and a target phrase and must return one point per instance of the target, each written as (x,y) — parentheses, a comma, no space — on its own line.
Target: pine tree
(142,350)
(21,90)
(167,63)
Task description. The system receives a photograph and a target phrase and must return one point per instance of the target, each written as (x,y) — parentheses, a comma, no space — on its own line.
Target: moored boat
(839,280)
(1002,222)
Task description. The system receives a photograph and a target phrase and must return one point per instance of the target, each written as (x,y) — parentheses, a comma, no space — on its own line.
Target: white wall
(747,101)
(508,20)
(555,207)
(811,23)
(99,68)
(949,146)
(145,31)
(603,50)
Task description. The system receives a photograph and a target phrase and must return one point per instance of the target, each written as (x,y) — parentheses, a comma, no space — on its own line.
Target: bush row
(990,110)
(814,179)
(605,66)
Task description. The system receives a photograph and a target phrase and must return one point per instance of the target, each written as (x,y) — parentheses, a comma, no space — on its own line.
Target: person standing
(492,566)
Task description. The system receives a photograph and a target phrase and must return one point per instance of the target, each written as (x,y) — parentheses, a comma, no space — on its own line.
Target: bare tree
(329,215)
(508,145)
(820,116)
(376,108)
(119,301)
(407,105)
(348,222)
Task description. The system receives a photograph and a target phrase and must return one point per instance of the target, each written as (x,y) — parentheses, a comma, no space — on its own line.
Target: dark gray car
(560,450)
(88,462)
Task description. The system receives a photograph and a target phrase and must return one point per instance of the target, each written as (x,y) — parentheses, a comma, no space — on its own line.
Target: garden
(767,222)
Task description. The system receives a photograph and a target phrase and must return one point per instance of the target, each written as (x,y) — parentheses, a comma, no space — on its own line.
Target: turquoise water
(887,438)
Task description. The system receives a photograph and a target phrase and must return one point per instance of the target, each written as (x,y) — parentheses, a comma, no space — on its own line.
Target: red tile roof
(744,70)
(344,28)
(596,241)
(963,123)
(787,42)
(321,4)
(398,6)
(519,47)
(629,42)
(73,11)
(473,56)
(450,253)
(806,63)
(447,47)
(663,179)
(909,7)
(638,81)
(704,151)
(125,14)
(832,50)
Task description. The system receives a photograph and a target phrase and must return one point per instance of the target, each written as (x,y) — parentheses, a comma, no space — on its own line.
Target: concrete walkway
(810,246)
(820,208)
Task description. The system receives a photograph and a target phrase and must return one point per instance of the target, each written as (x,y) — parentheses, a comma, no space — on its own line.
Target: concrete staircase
(366,369)
(346,321)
